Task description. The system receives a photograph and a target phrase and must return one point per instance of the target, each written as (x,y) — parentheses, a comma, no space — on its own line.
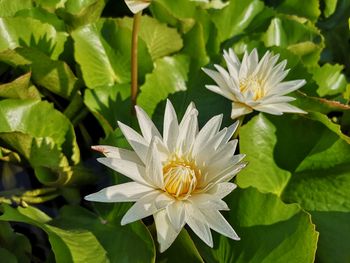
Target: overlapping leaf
(270,231)
(302,161)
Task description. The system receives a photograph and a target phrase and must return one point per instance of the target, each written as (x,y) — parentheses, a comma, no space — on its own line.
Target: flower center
(180,177)
(253,85)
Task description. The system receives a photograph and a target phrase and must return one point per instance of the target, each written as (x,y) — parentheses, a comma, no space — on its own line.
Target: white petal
(225,175)
(243,71)
(233,64)
(196,221)
(207,201)
(147,127)
(187,133)
(287,87)
(206,151)
(224,157)
(220,81)
(154,167)
(263,63)
(136,6)
(189,111)
(176,214)
(137,142)
(239,109)
(144,207)
(229,133)
(279,108)
(269,108)
(220,91)
(117,153)
(253,60)
(171,127)
(278,74)
(166,233)
(218,223)
(128,192)
(276,99)
(207,132)
(232,85)
(132,170)
(222,189)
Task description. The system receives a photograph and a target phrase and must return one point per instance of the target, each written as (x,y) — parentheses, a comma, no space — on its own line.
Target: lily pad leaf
(160,39)
(329,79)
(54,75)
(270,231)
(78,13)
(35,34)
(169,76)
(127,243)
(103,53)
(66,244)
(20,88)
(305,162)
(10,7)
(235,17)
(51,149)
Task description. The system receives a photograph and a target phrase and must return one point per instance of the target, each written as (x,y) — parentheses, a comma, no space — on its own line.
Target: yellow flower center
(253,85)
(180,177)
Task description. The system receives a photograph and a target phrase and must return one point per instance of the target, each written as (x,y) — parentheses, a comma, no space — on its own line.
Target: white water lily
(136,6)
(179,178)
(255,85)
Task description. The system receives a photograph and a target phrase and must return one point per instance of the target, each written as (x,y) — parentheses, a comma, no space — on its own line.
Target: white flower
(254,85)
(179,178)
(136,6)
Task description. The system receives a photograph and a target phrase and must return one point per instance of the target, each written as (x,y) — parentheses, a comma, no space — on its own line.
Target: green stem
(134,42)
(240,122)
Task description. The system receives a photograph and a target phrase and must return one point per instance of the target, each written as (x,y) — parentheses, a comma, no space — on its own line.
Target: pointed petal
(232,63)
(166,233)
(287,87)
(147,126)
(207,150)
(279,108)
(154,167)
(176,214)
(171,127)
(220,91)
(137,142)
(220,81)
(270,108)
(196,221)
(239,109)
(276,99)
(189,111)
(232,84)
(225,175)
(188,132)
(146,206)
(243,71)
(130,169)
(207,201)
(207,132)
(128,192)
(229,133)
(117,153)
(222,189)
(218,223)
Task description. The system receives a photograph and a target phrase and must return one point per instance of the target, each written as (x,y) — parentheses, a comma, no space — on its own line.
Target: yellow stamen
(180,177)
(253,85)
